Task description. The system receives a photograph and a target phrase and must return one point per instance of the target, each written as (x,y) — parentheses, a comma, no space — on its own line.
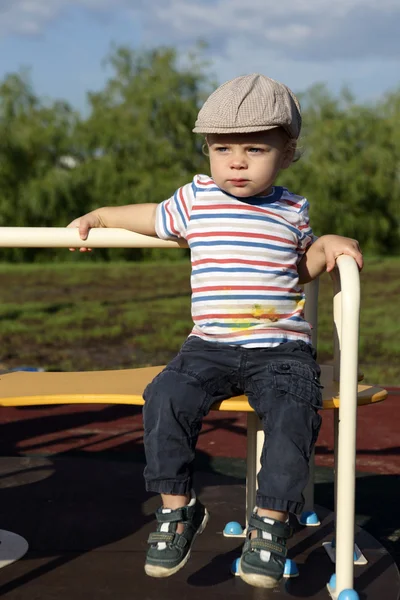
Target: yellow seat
(127,386)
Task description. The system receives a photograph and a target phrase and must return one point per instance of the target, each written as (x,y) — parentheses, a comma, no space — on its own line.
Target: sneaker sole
(155,571)
(256,580)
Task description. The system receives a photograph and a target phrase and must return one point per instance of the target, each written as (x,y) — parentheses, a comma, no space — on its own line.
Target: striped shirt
(244,254)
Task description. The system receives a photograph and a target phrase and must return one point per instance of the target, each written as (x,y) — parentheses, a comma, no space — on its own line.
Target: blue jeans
(282,385)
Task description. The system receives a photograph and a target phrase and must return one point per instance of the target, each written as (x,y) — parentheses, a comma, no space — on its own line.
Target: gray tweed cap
(250,103)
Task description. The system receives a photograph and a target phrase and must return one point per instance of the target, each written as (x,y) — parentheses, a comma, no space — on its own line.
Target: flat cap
(250,103)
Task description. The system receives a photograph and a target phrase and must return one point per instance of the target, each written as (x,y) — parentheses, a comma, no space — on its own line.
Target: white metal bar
(260,444)
(68,237)
(337,330)
(337,322)
(255,442)
(348,333)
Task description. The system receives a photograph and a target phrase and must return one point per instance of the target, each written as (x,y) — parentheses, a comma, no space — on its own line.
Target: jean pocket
(298,380)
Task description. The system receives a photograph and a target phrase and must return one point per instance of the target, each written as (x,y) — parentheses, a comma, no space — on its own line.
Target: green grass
(72,316)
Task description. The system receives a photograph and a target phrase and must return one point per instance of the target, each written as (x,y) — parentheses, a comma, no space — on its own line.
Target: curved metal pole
(346,318)
(64,237)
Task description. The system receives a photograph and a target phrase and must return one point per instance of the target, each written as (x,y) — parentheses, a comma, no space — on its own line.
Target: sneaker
(263,557)
(169,551)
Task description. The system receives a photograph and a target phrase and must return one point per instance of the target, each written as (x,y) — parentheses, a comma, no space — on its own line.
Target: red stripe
(182,199)
(208,182)
(245,234)
(238,207)
(243,261)
(171,221)
(257,288)
(231,207)
(291,202)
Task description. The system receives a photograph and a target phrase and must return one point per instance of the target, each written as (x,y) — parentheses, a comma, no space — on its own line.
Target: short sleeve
(306,236)
(173,215)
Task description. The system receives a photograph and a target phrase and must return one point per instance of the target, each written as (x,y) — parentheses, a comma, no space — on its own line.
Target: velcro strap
(274,547)
(179,514)
(278,529)
(180,541)
(161,536)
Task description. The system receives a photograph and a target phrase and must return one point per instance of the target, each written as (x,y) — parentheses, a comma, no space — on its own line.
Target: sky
(299,42)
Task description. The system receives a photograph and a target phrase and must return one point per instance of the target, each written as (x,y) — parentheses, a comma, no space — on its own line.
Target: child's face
(247,164)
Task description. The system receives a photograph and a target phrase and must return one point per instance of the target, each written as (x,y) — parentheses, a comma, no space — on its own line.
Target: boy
(251,245)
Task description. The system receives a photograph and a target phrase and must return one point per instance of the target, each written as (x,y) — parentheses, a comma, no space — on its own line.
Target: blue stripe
(246,244)
(179,207)
(279,207)
(288,297)
(164,219)
(243,270)
(254,217)
(206,188)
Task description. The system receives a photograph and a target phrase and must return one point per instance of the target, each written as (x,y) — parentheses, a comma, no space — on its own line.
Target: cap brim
(247,129)
(253,128)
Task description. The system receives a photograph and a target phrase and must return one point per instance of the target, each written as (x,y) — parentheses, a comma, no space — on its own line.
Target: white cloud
(319,30)
(302,30)
(27,16)
(31,17)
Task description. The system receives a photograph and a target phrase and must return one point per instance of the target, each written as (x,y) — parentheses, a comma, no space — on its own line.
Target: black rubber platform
(87,521)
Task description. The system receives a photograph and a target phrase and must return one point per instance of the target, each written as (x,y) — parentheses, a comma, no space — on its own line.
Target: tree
(136,145)
(33,135)
(350,168)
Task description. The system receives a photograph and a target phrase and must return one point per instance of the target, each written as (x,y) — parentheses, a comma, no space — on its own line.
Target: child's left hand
(335,245)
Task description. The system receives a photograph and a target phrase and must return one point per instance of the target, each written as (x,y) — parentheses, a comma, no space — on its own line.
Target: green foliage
(136,145)
(33,136)
(350,169)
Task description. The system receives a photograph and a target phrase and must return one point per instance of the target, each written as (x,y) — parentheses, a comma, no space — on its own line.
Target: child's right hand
(84,223)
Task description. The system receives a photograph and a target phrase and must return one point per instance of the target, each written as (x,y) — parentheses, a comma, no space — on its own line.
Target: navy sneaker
(169,551)
(263,557)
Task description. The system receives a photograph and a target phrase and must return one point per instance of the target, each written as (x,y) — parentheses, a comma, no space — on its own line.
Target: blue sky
(300,42)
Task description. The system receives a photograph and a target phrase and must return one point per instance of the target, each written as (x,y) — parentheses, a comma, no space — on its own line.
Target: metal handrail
(346,315)
(346,319)
(65,237)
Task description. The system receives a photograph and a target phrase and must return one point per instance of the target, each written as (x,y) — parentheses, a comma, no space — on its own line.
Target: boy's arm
(140,218)
(322,255)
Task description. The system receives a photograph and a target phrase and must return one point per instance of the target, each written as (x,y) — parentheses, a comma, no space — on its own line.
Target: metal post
(255,442)
(348,336)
